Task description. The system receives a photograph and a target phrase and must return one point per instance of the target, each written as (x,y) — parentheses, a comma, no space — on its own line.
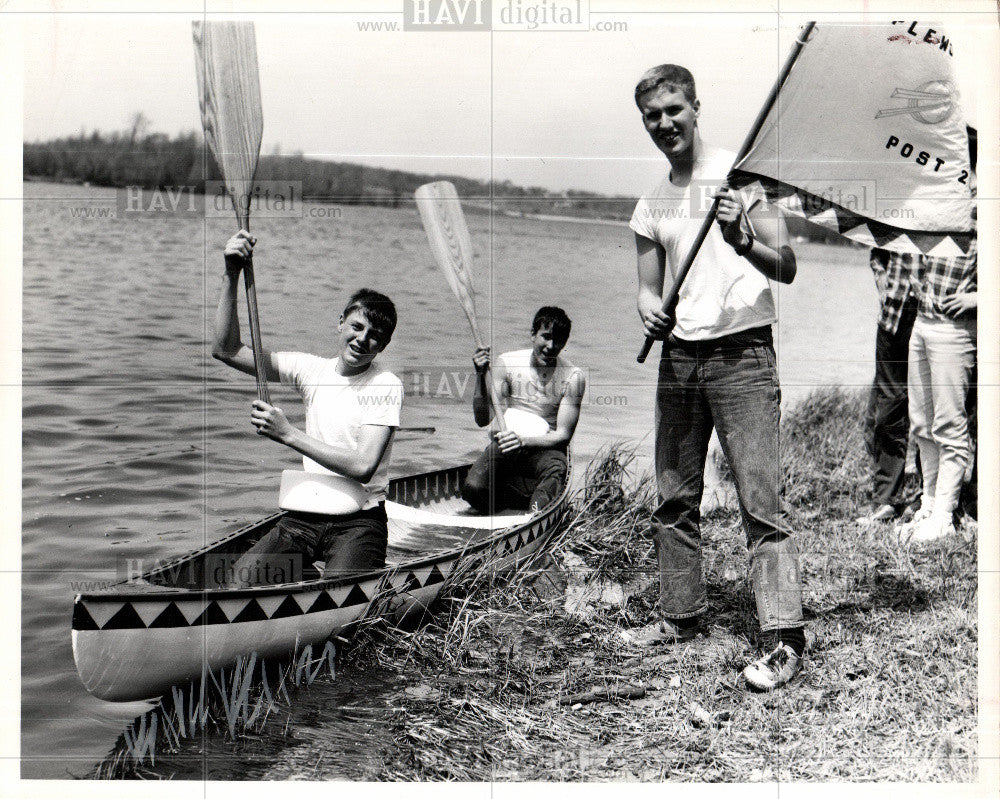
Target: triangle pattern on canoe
(305,600)
(340,594)
(288,607)
(269,604)
(211,615)
(445,567)
(434,577)
(422,574)
(356,597)
(191,609)
(252,612)
(323,602)
(170,617)
(232,607)
(947,248)
(125,619)
(101,612)
(861,234)
(148,611)
(82,620)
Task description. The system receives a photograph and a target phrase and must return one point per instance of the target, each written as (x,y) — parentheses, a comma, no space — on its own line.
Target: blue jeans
(887,421)
(730,383)
(349,545)
(516,480)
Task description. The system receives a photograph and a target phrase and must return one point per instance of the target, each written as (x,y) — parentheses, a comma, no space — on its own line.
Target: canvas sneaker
(931,529)
(881,514)
(773,670)
(659,632)
(906,529)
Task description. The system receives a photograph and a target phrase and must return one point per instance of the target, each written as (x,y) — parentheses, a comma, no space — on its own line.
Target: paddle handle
(491,389)
(260,370)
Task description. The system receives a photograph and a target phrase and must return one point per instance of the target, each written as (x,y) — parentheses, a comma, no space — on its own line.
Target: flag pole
(670,301)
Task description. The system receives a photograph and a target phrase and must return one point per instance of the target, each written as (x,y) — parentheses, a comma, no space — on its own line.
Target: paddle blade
(229,95)
(441,213)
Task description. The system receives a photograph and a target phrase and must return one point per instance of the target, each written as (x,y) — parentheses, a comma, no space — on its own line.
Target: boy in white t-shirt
(717,370)
(336,506)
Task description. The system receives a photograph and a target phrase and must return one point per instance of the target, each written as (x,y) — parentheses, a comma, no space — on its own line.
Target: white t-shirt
(337,407)
(527,390)
(723,293)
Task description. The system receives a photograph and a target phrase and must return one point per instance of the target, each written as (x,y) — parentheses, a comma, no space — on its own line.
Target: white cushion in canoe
(310,492)
(525,423)
(406,513)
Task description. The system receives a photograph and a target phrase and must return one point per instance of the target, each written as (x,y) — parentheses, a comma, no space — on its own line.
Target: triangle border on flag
(852,225)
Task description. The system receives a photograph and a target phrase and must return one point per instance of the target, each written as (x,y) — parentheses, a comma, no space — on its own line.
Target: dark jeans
(888,419)
(350,544)
(731,383)
(969,501)
(517,480)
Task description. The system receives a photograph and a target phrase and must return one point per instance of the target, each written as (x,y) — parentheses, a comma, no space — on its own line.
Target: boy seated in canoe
(526,466)
(336,506)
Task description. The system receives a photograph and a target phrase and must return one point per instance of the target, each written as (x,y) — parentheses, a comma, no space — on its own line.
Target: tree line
(157,161)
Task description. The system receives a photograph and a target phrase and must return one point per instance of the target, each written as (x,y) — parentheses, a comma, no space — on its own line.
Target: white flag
(868,138)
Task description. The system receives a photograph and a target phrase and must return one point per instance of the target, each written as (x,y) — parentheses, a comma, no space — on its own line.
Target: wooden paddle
(229,95)
(441,213)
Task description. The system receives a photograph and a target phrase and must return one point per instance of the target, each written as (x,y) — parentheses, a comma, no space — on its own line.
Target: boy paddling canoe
(526,466)
(336,505)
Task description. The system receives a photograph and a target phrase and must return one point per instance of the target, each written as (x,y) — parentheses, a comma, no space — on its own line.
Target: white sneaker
(908,528)
(933,528)
(773,670)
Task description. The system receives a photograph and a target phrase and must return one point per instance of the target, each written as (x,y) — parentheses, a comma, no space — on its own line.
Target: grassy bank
(523,680)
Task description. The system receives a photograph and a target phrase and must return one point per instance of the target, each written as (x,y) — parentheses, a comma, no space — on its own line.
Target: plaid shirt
(937,278)
(895,278)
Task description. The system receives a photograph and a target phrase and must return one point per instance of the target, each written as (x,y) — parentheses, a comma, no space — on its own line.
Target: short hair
(377,309)
(554,318)
(675,78)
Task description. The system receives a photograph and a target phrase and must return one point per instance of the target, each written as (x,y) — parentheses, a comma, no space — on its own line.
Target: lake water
(136,443)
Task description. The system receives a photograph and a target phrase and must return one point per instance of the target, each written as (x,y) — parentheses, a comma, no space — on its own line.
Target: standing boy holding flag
(717,369)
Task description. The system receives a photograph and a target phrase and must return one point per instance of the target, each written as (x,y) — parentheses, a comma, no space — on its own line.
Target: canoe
(137,638)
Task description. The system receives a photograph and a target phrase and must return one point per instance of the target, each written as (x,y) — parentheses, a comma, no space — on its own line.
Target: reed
(235,703)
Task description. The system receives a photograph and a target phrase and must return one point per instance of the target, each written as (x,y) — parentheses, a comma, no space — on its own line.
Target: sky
(548,108)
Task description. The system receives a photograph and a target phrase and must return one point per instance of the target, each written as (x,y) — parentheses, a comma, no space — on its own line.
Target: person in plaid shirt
(888,417)
(941,363)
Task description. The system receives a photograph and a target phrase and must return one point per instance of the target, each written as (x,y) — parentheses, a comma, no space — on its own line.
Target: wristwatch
(743,249)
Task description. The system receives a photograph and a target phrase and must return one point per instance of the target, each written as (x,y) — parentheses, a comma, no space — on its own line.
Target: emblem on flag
(931,103)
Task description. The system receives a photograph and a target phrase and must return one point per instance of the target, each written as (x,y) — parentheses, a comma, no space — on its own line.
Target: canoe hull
(130,646)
